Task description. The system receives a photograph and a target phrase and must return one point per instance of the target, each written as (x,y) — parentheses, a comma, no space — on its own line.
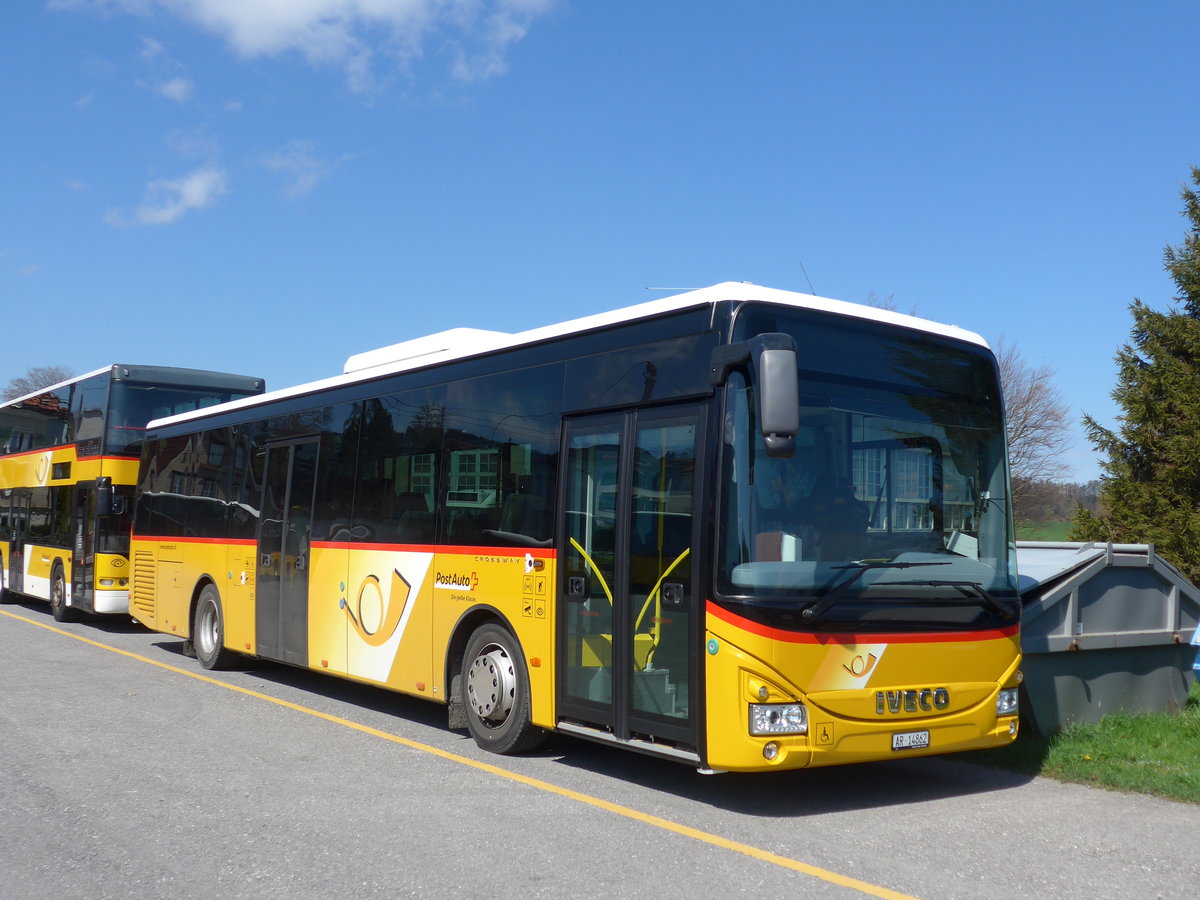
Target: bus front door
(629,615)
(18,521)
(284,532)
(83,555)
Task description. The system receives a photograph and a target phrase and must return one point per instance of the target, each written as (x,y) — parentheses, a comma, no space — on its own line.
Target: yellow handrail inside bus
(656,596)
(595,568)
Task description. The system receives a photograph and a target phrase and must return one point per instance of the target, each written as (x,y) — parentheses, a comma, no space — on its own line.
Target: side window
(332,515)
(164,489)
(395,494)
(41,421)
(89,400)
(41,515)
(501,458)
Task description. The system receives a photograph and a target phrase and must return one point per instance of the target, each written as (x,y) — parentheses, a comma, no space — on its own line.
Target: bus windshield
(132,405)
(893,507)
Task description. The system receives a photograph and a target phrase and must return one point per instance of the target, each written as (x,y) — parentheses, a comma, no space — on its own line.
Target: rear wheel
(495,688)
(208,631)
(58,597)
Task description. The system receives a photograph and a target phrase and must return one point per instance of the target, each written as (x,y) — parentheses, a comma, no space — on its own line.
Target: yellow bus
(741,528)
(68,465)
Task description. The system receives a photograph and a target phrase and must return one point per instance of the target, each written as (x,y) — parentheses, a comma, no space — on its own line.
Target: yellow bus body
(382,616)
(38,468)
(386,616)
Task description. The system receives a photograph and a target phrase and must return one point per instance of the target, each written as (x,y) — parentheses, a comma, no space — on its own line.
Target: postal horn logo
(374,616)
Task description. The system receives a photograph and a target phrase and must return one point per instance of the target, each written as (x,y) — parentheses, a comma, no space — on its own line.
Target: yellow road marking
(766,856)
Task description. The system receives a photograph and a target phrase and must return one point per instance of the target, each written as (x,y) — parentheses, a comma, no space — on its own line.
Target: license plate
(910,740)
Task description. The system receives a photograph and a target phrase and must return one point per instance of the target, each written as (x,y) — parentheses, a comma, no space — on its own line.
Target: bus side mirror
(772,357)
(778,400)
(104,496)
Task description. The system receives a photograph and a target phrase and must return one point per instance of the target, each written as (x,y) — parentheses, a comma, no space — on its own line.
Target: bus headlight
(778,718)
(1006,702)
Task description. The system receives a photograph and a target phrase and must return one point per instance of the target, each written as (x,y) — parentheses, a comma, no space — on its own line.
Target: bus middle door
(628,612)
(284,536)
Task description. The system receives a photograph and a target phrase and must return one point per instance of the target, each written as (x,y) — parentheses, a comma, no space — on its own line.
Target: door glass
(660,588)
(590,557)
(270,546)
(297,535)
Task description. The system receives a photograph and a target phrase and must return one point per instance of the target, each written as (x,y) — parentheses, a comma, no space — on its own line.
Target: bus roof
(166,375)
(462,343)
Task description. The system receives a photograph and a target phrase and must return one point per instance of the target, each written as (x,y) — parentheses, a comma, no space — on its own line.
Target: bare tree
(1037,423)
(36,378)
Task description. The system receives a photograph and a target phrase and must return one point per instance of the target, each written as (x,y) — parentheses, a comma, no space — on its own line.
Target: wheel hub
(491,684)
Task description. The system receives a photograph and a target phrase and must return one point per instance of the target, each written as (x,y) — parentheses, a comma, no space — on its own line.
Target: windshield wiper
(833,592)
(978,591)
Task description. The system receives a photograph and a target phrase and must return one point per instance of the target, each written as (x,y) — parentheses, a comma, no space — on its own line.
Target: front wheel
(58,598)
(208,631)
(495,687)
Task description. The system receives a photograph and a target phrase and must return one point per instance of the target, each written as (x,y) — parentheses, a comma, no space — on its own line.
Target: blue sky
(268,187)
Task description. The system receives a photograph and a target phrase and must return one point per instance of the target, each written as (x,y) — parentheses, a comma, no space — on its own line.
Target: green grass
(1152,754)
(1043,531)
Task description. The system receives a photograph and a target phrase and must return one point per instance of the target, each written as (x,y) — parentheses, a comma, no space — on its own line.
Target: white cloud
(167,201)
(352,33)
(196,143)
(177,89)
(151,49)
(298,162)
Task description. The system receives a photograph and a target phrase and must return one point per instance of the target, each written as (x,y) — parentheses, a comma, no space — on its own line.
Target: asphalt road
(128,771)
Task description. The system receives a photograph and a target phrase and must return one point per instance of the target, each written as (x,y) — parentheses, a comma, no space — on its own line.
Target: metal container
(1104,628)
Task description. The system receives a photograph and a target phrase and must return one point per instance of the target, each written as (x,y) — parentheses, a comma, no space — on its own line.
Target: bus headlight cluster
(1006,702)
(778,718)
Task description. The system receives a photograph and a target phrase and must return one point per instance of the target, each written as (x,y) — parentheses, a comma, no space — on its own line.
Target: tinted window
(658,371)
(501,458)
(133,405)
(335,472)
(41,421)
(164,488)
(395,497)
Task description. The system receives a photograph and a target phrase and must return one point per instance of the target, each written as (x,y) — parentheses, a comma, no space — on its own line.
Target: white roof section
(467,341)
(462,343)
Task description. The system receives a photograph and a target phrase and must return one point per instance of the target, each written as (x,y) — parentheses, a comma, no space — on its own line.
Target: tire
(58,597)
(208,631)
(495,693)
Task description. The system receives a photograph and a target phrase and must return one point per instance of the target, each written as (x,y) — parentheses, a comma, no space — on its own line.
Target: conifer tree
(1150,486)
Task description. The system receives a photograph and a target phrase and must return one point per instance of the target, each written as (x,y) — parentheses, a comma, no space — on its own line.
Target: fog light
(1006,702)
(771,750)
(778,718)
(106,582)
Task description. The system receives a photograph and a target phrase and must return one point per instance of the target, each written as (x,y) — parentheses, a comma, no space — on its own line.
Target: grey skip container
(1196,644)
(1104,628)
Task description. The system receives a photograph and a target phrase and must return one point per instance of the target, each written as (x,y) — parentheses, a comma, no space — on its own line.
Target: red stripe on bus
(793,637)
